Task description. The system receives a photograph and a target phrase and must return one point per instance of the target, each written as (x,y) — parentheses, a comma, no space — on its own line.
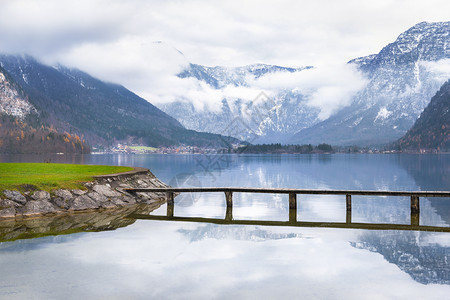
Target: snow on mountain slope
(270,103)
(370,100)
(104,113)
(245,111)
(374,100)
(403,78)
(13,102)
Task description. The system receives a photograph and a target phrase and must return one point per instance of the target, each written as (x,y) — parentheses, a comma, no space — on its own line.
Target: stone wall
(105,192)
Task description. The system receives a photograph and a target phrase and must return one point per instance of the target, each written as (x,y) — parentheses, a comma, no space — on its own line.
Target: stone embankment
(105,192)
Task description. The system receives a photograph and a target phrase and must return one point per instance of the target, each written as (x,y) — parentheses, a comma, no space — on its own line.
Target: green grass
(143,148)
(47,177)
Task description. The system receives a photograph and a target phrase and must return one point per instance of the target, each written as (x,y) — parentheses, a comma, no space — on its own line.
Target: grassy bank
(45,176)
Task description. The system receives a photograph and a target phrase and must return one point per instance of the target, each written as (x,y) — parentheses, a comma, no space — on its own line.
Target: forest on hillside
(17,136)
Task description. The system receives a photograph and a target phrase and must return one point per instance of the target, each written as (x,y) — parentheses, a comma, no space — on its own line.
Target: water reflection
(423,256)
(255,233)
(293,223)
(95,221)
(187,260)
(179,260)
(430,173)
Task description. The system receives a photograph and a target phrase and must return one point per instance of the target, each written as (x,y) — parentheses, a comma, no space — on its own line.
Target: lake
(149,259)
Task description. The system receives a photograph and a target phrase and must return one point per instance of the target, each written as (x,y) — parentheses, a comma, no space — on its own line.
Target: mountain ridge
(400,87)
(104,113)
(400,81)
(21,126)
(261,120)
(432,129)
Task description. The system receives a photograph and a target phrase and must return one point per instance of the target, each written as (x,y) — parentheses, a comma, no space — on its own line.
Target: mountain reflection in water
(167,259)
(417,253)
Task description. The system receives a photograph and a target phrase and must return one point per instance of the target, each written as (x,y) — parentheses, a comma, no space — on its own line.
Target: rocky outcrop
(105,192)
(13,102)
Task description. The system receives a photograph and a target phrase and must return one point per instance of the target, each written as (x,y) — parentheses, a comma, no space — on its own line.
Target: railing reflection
(414,207)
(292,223)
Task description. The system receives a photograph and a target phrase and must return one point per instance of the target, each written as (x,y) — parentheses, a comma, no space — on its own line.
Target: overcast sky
(115,39)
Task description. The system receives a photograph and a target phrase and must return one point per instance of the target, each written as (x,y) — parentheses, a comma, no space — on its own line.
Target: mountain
(432,129)
(220,77)
(410,251)
(403,77)
(21,128)
(428,176)
(104,113)
(13,100)
(263,120)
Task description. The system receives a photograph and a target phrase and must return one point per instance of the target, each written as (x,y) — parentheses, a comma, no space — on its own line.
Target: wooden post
(292,216)
(415,210)
(170,204)
(170,198)
(293,201)
(229,214)
(229,198)
(292,207)
(348,204)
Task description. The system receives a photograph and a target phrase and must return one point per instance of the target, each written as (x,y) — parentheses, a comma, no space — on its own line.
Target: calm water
(167,260)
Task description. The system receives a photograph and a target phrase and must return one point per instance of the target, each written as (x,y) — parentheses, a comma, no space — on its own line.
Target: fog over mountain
(371,100)
(402,79)
(368,101)
(73,101)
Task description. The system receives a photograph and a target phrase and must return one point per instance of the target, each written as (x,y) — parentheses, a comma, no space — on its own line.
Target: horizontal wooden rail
(414,204)
(369,226)
(292,191)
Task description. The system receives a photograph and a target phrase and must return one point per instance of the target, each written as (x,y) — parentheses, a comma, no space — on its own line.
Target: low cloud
(150,69)
(440,68)
(113,40)
(328,88)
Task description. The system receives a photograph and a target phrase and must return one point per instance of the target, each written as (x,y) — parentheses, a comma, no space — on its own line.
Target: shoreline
(251,153)
(105,192)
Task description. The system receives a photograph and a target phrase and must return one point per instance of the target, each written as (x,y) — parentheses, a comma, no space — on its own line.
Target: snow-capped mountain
(403,78)
(22,129)
(263,119)
(411,251)
(104,113)
(400,81)
(13,101)
(432,129)
(220,77)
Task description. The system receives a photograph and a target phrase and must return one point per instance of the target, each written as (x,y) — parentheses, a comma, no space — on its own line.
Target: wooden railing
(228,191)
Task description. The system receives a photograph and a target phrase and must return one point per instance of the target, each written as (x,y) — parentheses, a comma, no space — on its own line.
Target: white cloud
(160,260)
(113,40)
(229,33)
(245,93)
(48,27)
(328,88)
(440,68)
(338,85)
